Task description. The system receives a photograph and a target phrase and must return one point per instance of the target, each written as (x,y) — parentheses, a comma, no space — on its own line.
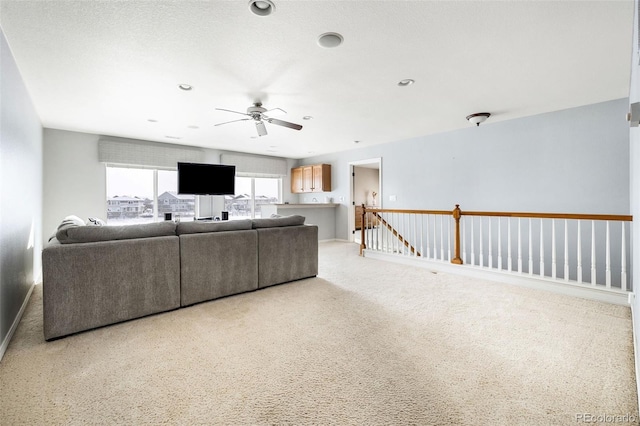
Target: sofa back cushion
(88,234)
(273,222)
(198,227)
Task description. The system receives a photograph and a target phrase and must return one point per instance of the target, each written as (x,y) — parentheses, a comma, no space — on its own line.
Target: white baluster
(435,244)
(579,254)
(530,248)
(519,246)
(509,264)
(541,248)
(427,238)
(623,276)
(473,253)
(449,237)
(421,235)
(481,245)
(608,258)
(389,234)
(566,250)
(553,249)
(499,244)
(490,245)
(441,238)
(464,241)
(414,243)
(593,252)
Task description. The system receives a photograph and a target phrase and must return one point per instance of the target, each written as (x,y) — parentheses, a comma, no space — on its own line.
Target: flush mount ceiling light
(478,117)
(185,86)
(262,7)
(406,82)
(330,40)
(307,117)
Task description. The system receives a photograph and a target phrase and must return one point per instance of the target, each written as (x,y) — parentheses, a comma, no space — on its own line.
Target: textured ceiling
(108,67)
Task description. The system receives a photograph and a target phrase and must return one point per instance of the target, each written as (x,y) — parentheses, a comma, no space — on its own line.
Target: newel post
(362,244)
(457,213)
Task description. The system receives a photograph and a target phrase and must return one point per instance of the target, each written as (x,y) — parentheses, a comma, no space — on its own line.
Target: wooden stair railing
(457,213)
(396,234)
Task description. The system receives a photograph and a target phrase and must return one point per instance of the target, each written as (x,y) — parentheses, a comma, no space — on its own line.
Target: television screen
(206,179)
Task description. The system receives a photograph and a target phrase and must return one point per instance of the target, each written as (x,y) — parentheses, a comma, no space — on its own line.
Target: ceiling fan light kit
(262,7)
(477,118)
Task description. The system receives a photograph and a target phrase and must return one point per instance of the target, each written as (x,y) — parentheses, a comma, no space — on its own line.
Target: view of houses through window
(251,194)
(136,195)
(132,195)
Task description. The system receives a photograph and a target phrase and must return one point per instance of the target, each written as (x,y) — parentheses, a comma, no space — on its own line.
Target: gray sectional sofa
(100,275)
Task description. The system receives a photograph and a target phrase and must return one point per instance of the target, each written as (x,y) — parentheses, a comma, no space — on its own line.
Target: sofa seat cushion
(198,227)
(274,222)
(89,234)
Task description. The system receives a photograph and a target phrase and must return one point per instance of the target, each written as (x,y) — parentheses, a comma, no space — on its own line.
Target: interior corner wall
(569,161)
(634,160)
(20,193)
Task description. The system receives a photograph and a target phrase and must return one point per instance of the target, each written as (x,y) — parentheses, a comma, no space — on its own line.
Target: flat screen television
(206,179)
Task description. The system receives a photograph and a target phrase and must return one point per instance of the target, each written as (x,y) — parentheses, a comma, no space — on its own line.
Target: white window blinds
(254,165)
(146,154)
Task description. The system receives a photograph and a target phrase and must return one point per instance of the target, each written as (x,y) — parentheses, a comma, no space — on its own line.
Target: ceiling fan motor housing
(255,111)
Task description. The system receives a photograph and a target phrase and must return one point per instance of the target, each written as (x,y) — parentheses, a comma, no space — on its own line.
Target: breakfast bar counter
(321,214)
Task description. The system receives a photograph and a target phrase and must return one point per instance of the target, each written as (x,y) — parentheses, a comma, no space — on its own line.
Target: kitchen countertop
(306,205)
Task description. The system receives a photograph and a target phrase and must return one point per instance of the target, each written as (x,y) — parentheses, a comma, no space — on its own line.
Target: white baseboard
(332,240)
(617,297)
(14,326)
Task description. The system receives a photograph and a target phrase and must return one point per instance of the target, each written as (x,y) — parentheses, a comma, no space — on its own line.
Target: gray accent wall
(20,192)
(570,161)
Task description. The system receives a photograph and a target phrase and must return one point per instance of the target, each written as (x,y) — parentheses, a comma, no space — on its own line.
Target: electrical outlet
(342,199)
(392,198)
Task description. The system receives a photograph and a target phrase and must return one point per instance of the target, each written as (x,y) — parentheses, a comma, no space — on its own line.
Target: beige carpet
(366,343)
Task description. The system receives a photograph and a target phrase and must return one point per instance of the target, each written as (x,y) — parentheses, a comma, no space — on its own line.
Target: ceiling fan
(257,113)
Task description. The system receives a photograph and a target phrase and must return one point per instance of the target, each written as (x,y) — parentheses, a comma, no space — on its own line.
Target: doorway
(366,188)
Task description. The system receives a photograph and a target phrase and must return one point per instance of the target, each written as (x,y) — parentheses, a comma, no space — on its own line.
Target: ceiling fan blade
(232,121)
(228,110)
(262,130)
(284,123)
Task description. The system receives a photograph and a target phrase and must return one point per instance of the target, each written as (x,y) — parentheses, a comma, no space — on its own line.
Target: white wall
(75,181)
(570,161)
(366,181)
(20,193)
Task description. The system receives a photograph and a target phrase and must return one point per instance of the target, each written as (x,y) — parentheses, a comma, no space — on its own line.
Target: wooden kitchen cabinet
(312,178)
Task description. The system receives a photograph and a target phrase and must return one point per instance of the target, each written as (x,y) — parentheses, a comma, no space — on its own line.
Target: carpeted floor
(367,342)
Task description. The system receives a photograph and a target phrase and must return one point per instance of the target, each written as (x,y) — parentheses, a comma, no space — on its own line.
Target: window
(251,194)
(136,195)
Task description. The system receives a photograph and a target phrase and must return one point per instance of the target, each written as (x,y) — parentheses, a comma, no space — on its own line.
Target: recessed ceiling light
(152,120)
(307,117)
(406,82)
(173,137)
(262,7)
(330,40)
(184,86)
(193,127)
(311,152)
(356,141)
